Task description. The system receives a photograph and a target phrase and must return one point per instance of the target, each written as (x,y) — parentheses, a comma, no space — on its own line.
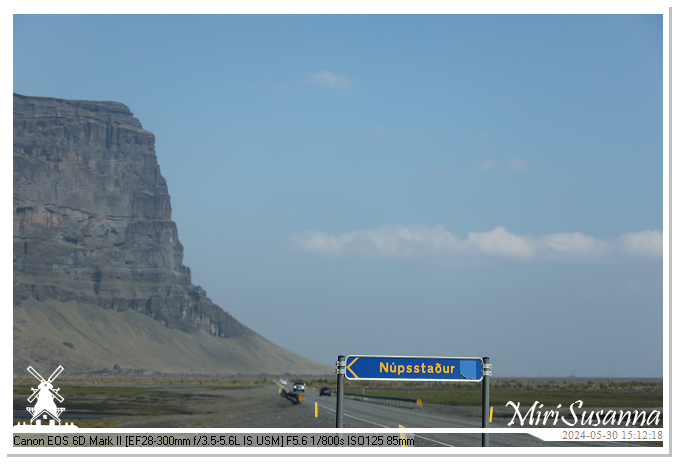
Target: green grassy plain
(141,397)
(617,393)
(180,398)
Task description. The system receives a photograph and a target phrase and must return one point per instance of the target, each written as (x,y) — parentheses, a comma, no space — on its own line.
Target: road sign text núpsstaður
(413,368)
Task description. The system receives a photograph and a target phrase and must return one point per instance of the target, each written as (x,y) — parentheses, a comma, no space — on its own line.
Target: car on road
(325,391)
(298,386)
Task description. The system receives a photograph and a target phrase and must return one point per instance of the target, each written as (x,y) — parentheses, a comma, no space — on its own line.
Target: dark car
(325,391)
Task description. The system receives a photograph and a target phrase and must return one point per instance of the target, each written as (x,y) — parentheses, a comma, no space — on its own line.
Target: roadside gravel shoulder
(261,407)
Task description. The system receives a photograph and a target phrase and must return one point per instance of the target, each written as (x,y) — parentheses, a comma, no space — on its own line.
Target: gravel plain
(179,405)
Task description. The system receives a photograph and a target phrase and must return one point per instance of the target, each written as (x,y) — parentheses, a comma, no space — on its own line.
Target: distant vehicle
(298,386)
(325,391)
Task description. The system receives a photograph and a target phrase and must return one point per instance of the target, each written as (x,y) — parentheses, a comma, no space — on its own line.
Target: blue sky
(401,185)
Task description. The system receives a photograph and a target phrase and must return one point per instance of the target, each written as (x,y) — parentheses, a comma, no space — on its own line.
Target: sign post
(339,418)
(485,408)
(412,368)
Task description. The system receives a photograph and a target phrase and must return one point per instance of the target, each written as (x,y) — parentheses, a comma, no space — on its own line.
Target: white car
(298,386)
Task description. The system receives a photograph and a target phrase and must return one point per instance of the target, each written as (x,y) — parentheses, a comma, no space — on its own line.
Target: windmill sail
(55,374)
(35,373)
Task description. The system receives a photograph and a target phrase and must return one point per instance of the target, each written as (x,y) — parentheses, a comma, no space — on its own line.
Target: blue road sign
(414,368)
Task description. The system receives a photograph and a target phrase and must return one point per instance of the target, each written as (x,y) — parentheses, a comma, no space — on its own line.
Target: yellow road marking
(355,359)
(404,437)
(280,387)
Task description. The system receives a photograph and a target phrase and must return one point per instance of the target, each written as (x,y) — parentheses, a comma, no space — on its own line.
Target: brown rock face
(92,217)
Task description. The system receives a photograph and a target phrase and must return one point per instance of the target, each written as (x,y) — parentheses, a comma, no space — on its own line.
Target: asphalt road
(360,414)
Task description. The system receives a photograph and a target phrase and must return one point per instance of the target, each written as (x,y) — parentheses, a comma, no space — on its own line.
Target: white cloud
(569,245)
(646,243)
(392,241)
(519,164)
(500,242)
(316,242)
(257,83)
(487,165)
(398,241)
(481,137)
(333,81)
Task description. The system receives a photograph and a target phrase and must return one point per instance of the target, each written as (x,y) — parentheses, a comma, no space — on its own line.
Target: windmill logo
(46,394)
(45,407)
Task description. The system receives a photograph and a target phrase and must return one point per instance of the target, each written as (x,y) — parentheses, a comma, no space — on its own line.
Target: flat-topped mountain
(99,280)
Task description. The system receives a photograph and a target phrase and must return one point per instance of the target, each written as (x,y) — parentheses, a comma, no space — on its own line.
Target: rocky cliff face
(92,218)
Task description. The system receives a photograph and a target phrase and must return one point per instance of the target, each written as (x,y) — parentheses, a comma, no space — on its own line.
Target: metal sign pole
(485,407)
(341,369)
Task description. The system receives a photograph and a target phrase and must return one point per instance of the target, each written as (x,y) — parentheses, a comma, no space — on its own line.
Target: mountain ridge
(93,234)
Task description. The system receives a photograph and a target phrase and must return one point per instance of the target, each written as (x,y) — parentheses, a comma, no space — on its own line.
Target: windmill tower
(45,393)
